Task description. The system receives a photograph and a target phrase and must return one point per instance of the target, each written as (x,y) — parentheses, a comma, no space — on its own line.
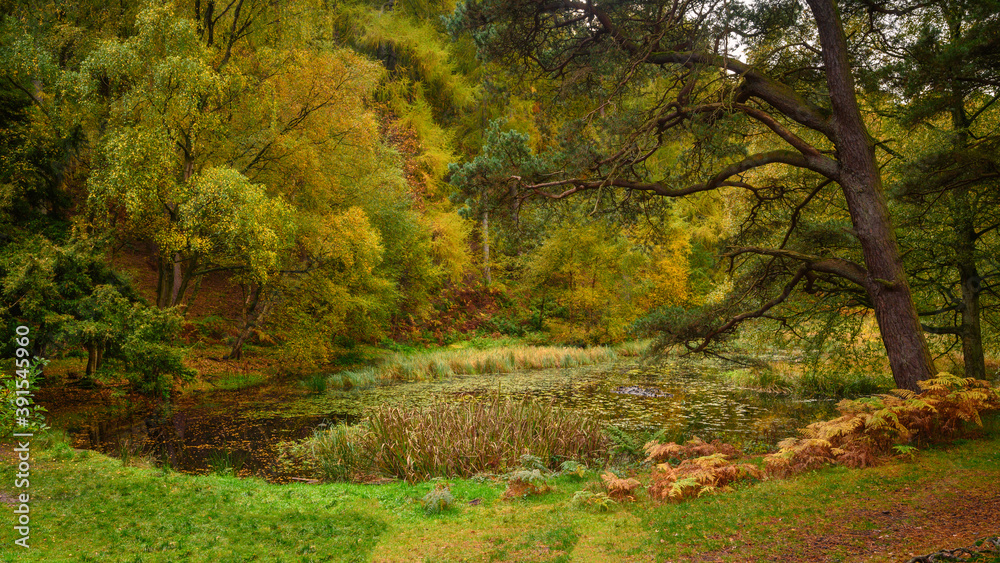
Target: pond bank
(239,429)
(90,507)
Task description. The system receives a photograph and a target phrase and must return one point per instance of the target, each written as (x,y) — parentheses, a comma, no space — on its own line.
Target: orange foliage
(657,452)
(697,476)
(620,489)
(869,428)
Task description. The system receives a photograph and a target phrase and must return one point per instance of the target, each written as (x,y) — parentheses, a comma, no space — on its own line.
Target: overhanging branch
(817,163)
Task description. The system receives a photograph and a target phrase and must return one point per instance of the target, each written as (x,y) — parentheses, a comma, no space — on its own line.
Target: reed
(444,363)
(340,452)
(347,380)
(455,439)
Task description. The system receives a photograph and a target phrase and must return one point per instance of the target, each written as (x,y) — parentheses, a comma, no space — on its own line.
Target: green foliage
(225,463)
(597,502)
(438,500)
(11,401)
(75,300)
(316,383)
(347,380)
(573,468)
(339,453)
(906,451)
(136,338)
(162,93)
(630,444)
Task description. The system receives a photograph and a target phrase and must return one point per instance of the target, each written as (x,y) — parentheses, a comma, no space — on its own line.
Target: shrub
(573,468)
(525,482)
(629,443)
(658,453)
(11,402)
(598,502)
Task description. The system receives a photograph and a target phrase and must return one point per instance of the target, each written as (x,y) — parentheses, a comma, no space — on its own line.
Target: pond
(239,430)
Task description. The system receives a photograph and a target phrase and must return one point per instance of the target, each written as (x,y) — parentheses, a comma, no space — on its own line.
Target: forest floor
(88,507)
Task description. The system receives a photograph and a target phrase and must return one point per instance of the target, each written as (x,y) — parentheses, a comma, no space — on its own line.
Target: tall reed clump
(455,439)
(347,380)
(634,348)
(340,453)
(443,363)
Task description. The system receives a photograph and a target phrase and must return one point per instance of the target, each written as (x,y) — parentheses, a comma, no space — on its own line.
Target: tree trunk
(963,223)
(973,355)
(174,277)
(486,248)
(963,215)
(178,279)
(91,359)
(254,311)
(861,182)
(164,283)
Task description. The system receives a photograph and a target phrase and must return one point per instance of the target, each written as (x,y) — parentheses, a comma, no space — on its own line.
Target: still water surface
(242,428)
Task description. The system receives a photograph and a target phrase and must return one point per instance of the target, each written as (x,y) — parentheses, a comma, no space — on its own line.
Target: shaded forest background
(298,179)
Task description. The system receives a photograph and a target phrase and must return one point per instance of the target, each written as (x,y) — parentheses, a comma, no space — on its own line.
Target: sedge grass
(428,366)
(454,439)
(444,363)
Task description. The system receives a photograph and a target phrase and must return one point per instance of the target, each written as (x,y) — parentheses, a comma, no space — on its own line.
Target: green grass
(237,381)
(87,507)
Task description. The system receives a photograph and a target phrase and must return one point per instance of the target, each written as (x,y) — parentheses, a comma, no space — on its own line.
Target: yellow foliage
(449,244)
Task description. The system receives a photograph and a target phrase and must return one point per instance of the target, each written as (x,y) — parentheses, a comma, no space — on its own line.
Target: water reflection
(240,430)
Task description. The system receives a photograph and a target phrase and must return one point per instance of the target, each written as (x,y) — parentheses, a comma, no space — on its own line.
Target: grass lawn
(87,507)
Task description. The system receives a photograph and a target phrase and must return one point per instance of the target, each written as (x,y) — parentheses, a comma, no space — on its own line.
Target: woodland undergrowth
(490,435)
(869,430)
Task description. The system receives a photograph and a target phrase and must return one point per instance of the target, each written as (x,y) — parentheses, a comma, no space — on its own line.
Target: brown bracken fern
(869,428)
(698,476)
(620,489)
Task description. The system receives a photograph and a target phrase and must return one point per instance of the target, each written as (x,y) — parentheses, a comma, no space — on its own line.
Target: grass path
(86,507)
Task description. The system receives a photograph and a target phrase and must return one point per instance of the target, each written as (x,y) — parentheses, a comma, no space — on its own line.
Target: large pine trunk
(861,182)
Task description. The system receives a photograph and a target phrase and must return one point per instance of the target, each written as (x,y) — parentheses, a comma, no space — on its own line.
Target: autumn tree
(671,58)
(167,167)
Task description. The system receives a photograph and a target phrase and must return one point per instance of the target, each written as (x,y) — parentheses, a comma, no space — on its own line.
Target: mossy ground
(87,507)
